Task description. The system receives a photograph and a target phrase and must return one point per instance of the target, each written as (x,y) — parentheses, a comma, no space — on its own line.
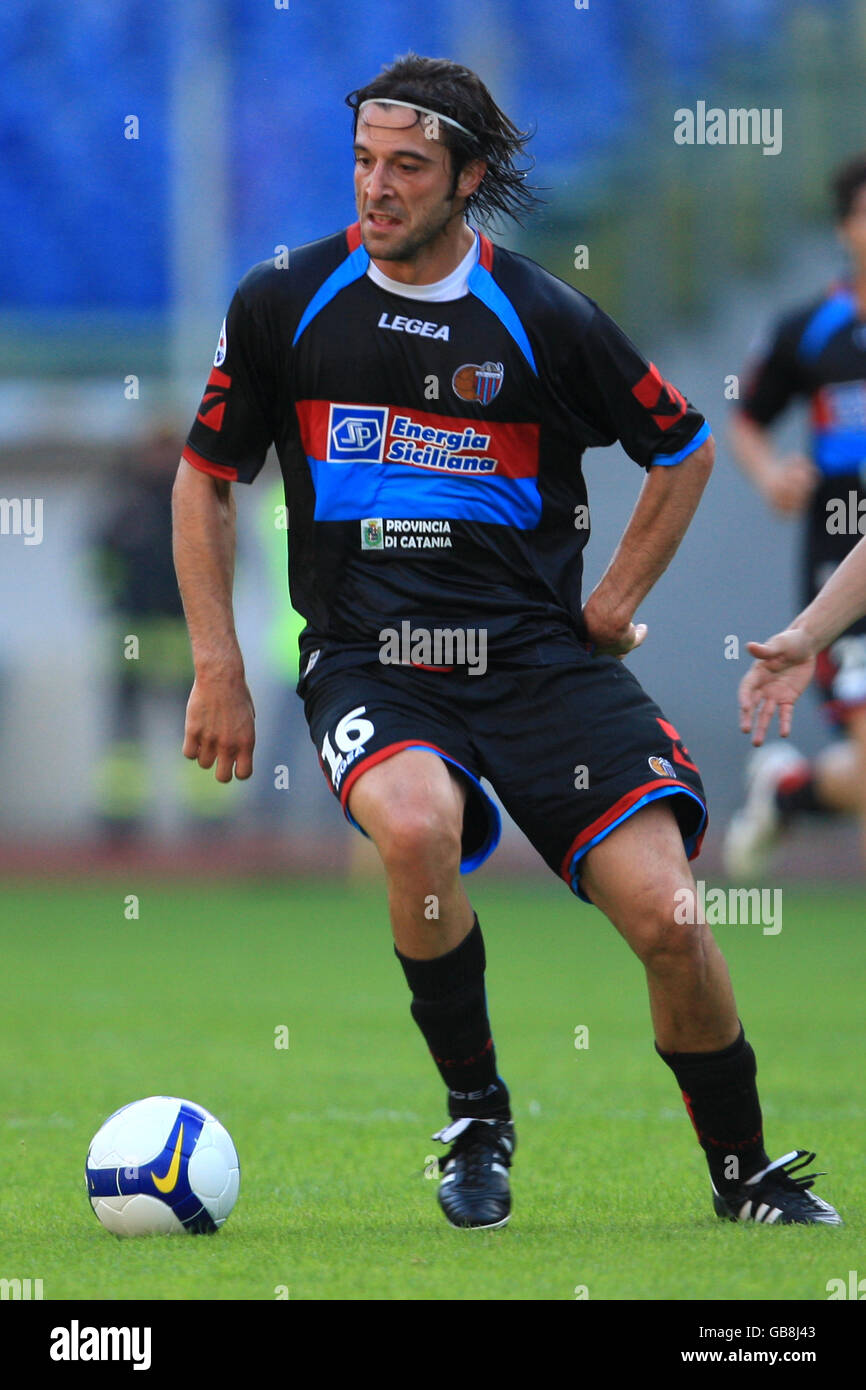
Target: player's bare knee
(414,836)
(662,938)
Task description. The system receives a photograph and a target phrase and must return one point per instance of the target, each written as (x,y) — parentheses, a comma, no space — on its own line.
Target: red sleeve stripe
(216,470)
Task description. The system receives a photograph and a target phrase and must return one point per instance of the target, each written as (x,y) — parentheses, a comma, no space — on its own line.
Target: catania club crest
(482,384)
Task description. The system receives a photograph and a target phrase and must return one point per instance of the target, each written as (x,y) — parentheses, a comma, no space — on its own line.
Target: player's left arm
(667,502)
(623,396)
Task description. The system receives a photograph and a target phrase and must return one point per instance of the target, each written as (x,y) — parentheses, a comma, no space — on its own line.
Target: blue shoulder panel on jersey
(827,319)
(352,268)
(482,284)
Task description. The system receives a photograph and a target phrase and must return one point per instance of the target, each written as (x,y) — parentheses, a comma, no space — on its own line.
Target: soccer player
(132,561)
(786,662)
(430,395)
(817,353)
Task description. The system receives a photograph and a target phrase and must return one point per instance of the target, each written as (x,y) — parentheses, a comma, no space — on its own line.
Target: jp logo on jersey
(356,433)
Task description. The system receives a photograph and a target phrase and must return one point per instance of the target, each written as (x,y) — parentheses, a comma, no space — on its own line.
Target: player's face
(403,183)
(853,229)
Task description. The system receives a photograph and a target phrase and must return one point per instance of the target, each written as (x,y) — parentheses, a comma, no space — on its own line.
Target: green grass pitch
(610,1188)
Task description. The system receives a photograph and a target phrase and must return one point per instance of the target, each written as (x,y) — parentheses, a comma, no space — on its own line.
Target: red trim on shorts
(485,254)
(794,781)
(839,711)
(383,753)
(834,710)
(613,813)
(217,470)
(353,236)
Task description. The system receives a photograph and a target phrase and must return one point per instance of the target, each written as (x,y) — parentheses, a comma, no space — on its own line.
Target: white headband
(413,106)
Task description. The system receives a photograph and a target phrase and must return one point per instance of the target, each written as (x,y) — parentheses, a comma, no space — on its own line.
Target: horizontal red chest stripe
(513,446)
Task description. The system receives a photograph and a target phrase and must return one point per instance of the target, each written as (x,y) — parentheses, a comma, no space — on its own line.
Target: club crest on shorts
(473,383)
(661,767)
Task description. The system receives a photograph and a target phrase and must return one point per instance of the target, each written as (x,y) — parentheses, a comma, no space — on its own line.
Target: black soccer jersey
(818,354)
(431,451)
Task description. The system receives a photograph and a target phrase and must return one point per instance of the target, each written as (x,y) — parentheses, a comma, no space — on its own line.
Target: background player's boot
(474,1190)
(774,1196)
(757,826)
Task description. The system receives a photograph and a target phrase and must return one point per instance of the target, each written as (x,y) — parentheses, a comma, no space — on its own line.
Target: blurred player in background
(430,395)
(786,662)
(147,641)
(817,353)
(149,667)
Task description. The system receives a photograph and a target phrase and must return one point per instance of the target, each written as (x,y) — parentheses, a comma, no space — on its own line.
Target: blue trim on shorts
(656,795)
(494,833)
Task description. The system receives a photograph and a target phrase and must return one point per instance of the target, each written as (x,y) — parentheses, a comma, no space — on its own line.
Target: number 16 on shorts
(351,735)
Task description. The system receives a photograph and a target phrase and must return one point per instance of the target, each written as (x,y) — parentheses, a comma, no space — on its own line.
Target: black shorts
(571,750)
(840,672)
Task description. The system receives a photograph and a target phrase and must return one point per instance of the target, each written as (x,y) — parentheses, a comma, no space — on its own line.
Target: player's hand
(789,486)
(220,726)
(611,637)
(776,681)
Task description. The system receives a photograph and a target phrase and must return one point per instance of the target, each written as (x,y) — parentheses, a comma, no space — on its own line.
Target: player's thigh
(412,796)
(398,756)
(576,751)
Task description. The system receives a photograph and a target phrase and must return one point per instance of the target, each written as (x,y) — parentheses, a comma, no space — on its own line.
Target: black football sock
(796,795)
(722,1100)
(450,1007)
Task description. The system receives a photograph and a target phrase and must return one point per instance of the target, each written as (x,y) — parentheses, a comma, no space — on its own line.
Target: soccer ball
(162,1166)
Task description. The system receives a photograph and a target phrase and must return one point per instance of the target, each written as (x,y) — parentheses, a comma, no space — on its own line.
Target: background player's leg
(839,774)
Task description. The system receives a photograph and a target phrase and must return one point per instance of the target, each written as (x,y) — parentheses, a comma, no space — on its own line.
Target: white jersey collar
(454,286)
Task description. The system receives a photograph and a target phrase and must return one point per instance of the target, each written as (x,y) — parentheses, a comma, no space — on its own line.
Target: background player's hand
(611,636)
(778,678)
(220,726)
(789,485)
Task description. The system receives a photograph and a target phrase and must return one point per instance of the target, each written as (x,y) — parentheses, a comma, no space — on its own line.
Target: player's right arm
(785,481)
(786,661)
(228,442)
(220,718)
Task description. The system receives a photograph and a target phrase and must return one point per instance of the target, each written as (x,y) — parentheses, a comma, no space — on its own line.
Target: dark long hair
(452,90)
(846,184)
